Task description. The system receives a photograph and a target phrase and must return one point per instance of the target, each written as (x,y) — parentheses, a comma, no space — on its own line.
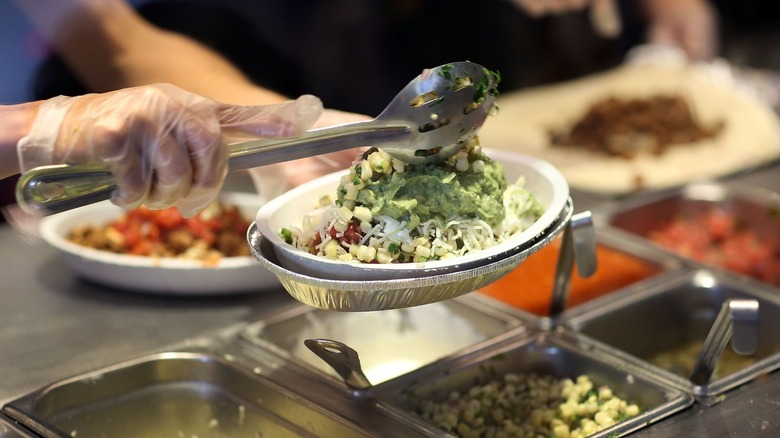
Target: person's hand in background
(165,146)
(688,24)
(540,8)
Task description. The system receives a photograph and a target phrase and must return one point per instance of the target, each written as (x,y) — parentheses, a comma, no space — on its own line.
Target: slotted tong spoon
(431,119)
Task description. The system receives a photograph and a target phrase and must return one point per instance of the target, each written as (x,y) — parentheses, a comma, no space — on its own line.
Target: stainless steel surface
(174,394)
(429,120)
(747,411)
(735,316)
(54,326)
(676,310)
(9,429)
(371,295)
(558,355)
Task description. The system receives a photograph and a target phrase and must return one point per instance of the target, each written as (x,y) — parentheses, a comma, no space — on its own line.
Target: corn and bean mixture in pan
(529,405)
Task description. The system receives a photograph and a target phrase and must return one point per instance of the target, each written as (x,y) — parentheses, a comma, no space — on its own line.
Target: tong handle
(52,189)
(737,321)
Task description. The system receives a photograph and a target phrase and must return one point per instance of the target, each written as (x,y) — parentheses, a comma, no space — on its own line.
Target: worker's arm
(109,46)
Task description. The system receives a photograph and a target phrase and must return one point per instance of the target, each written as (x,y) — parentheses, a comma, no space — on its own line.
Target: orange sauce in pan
(529,286)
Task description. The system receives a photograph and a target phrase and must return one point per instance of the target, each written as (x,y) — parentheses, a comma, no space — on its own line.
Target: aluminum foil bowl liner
(407,290)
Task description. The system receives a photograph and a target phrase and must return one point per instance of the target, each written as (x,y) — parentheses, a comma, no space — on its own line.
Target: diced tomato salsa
(218,231)
(717,237)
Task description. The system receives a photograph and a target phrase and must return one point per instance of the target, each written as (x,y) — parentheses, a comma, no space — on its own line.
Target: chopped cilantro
(287,236)
(446,71)
(484,89)
(593,392)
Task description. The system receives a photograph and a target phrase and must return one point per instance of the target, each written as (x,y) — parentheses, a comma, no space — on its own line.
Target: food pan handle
(343,359)
(737,321)
(578,244)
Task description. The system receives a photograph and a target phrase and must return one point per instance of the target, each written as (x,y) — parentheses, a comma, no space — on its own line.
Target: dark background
(298,46)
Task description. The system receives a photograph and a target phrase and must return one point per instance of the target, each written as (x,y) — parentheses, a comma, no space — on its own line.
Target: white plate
(542,180)
(156,275)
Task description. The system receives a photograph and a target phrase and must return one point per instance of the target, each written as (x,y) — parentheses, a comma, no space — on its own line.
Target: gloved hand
(164,145)
(688,24)
(273,180)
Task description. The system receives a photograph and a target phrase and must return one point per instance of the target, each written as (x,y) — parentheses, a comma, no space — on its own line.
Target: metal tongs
(431,119)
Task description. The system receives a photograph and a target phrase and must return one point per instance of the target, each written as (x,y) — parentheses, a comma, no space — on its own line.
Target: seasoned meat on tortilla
(626,127)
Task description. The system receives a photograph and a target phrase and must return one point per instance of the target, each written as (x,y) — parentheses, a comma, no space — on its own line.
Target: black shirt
(357,54)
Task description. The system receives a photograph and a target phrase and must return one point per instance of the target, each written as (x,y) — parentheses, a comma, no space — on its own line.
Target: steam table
(54,325)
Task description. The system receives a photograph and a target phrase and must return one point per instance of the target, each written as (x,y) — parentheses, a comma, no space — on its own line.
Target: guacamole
(425,192)
(388,211)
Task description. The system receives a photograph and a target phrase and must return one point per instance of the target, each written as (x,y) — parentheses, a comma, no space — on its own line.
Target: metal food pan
(174,394)
(676,313)
(621,263)
(9,430)
(390,342)
(755,213)
(554,354)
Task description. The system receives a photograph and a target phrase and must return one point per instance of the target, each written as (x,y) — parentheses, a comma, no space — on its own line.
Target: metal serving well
(543,353)
(675,314)
(390,342)
(9,430)
(174,394)
(544,315)
(643,214)
(752,208)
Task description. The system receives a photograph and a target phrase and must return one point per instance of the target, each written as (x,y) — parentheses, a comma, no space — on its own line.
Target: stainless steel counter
(54,325)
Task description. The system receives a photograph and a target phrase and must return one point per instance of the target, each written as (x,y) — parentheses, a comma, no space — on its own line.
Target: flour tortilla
(751,135)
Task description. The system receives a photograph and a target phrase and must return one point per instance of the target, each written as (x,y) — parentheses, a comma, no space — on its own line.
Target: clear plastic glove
(273,180)
(688,24)
(165,146)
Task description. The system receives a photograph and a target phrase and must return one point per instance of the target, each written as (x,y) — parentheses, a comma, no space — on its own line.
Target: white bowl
(156,275)
(408,290)
(543,180)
